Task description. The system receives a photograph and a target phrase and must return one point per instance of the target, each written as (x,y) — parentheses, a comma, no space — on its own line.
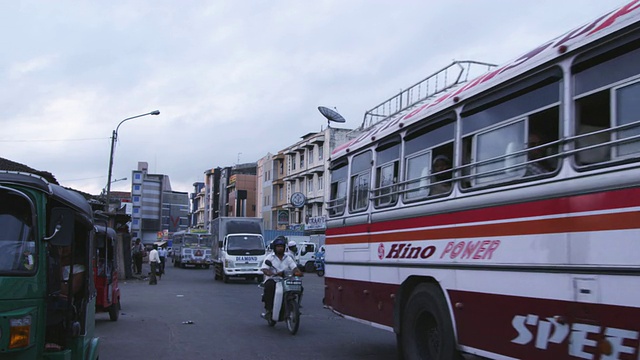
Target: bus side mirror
(61,226)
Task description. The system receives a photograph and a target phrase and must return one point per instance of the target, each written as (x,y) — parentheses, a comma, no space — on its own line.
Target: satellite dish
(331,115)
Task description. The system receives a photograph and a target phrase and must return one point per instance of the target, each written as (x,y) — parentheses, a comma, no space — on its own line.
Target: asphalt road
(226,324)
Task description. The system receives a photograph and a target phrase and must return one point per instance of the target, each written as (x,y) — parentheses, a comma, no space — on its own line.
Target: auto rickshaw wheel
(114,311)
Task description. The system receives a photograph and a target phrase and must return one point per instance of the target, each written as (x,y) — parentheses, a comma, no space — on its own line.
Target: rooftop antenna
(331,115)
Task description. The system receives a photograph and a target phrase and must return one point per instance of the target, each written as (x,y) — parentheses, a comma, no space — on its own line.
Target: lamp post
(114,137)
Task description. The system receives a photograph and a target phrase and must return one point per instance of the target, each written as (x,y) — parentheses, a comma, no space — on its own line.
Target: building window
(301,161)
(136,199)
(310,156)
(310,185)
(137,176)
(320,150)
(320,182)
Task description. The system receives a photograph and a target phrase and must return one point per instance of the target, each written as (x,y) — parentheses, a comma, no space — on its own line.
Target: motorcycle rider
(281,262)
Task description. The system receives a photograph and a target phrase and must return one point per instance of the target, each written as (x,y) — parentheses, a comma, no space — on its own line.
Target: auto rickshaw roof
(100,229)
(68,197)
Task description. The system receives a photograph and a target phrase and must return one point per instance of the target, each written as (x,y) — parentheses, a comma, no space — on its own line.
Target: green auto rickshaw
(47,295)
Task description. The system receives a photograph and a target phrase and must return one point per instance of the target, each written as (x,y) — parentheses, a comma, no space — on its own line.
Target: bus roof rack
(451,76)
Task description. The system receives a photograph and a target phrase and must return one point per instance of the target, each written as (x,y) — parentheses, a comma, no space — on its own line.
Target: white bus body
(505,262)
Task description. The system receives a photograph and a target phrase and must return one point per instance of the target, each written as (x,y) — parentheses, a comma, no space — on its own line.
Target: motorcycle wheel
(293,316)
(320,272)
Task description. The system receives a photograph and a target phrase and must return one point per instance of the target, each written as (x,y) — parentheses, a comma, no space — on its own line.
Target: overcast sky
(233,80)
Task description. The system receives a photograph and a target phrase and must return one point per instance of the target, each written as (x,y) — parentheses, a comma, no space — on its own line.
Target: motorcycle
(319,262)
(286,302)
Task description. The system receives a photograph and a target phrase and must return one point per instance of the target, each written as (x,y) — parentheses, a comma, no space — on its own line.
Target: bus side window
(360,182)
(592,121)
(387,158)
(606,96)
(338,189)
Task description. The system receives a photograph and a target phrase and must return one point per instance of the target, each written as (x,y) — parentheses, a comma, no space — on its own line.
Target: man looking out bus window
(536,166)
(441,177)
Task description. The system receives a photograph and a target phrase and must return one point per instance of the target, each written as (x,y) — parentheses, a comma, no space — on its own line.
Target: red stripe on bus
(602,222)
(566,205)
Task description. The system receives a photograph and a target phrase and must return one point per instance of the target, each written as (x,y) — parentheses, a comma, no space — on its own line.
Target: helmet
(280,240)
(292,244)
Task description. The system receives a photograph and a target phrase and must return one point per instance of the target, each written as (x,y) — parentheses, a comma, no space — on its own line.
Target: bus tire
(426,329)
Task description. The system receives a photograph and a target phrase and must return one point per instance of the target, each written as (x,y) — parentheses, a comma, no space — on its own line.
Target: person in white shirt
(154,261)
(280,262)
(162,252)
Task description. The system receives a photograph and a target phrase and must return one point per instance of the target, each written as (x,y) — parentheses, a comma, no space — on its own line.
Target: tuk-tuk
(47,295)
(105,270)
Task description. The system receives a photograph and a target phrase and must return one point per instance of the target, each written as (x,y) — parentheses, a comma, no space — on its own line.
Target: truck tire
(225,278)
(426,328)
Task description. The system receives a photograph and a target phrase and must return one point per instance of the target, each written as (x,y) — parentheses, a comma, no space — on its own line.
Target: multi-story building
(264,194)
(306,163)
(198,205)
(156,209)
(229,191)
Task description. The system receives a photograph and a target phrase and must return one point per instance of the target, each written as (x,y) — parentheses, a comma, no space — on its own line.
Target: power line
(51,140)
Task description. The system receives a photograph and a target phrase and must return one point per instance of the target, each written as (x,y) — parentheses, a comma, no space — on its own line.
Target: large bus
(501,217)
(191,247)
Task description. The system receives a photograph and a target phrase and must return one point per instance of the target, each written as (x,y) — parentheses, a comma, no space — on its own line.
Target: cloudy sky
(233,80)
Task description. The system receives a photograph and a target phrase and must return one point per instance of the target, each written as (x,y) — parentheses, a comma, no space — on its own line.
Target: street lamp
(114,137)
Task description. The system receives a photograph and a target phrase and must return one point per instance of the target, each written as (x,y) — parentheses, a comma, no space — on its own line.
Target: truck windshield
(205,240)
(245,245)
(190,240)
(17,247)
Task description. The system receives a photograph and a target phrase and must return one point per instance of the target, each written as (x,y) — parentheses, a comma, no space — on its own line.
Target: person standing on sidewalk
(154,262)
(138,253)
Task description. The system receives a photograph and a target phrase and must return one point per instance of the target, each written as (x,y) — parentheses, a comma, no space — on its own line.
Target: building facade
(156,209)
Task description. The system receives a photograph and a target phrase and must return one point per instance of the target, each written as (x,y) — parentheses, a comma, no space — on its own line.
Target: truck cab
(238,248)
(307,256)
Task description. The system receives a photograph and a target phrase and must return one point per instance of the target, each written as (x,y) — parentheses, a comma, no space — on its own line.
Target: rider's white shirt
(281,265)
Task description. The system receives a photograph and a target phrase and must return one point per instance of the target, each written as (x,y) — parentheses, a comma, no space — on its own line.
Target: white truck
(238,248)
(306,255)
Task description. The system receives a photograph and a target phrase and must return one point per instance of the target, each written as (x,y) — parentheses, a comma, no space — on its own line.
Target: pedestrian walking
(162,252)
(154,262)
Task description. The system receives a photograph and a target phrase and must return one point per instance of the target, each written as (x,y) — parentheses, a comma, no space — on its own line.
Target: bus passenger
(536,167)
(441,177)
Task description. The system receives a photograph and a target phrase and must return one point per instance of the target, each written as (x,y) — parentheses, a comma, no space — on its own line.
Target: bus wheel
(427,330)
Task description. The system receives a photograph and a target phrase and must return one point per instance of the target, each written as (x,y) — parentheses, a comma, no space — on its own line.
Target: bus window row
(512,134)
